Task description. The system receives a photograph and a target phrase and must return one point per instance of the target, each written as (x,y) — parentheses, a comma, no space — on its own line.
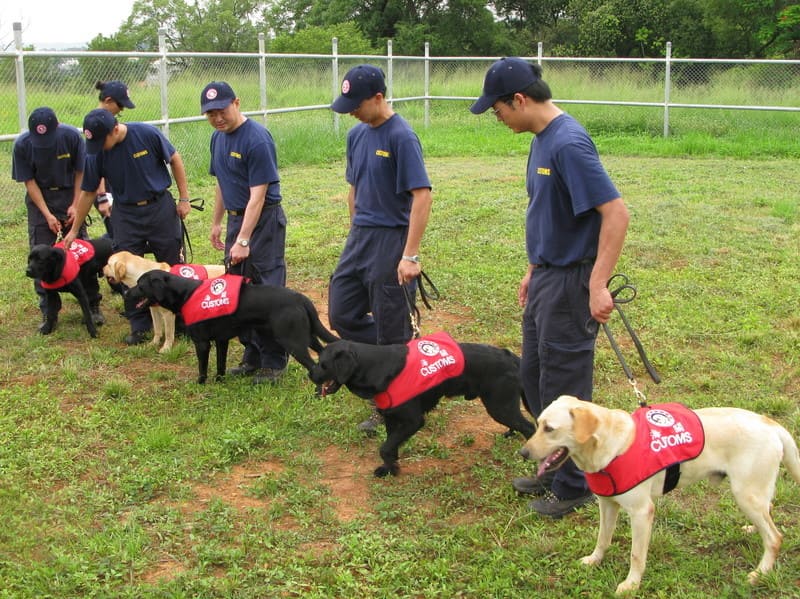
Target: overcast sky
(59,23)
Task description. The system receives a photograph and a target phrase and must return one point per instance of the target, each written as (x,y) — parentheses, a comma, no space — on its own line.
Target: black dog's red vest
(197,272)
(666,435)
(79,253)
(431,360)
(212,299)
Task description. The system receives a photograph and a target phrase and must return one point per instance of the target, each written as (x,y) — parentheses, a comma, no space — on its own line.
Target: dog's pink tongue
(542,468)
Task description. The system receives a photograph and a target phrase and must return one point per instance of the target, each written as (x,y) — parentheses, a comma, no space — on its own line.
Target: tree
(317,40)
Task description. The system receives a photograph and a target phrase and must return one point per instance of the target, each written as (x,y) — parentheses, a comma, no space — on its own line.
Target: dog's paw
(626,586)
(201,380)
(754,577)
(383,470)
(591,560)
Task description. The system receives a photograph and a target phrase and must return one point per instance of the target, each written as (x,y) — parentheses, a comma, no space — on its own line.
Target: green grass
(121,477)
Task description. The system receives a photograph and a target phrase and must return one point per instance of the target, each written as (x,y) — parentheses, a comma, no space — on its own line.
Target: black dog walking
(390,374)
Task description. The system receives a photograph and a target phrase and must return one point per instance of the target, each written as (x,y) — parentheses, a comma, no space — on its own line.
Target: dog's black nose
(524,453)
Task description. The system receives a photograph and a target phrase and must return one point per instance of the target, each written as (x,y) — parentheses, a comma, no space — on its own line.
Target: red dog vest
(666,435)
(197,272)
(431,360)
(79,253)
(212,299)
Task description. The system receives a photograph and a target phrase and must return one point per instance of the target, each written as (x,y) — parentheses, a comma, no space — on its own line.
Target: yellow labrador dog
(124,267)
(745,447)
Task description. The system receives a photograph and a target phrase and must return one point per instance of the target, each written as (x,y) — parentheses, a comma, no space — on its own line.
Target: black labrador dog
(76,271)
(287,316)
(367,370)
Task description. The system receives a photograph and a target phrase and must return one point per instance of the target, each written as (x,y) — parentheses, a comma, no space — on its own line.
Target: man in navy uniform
(248,191)
(48,159)
(133,159)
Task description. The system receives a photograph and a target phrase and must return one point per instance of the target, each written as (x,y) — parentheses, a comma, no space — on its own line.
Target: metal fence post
(427,90)
(262,75)
(389,70)
(162,79)
(539,52)
(335,80)
(19,67)
(667,84)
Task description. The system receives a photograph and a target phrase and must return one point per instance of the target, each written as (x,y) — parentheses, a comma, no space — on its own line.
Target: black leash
(623,292)
(426,295)
(187,254)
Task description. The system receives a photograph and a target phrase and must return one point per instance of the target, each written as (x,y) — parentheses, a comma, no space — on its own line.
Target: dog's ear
(119,269)
(584,424)
(344,365)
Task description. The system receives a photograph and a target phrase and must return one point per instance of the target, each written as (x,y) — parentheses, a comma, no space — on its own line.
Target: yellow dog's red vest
(666,435)
(197,272)
(79,253)
(212,299)
(431,360)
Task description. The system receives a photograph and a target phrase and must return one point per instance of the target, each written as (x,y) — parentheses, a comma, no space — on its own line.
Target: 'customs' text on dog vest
(666,435)
(431,360)
(212,299)
(79,253)
(197,272)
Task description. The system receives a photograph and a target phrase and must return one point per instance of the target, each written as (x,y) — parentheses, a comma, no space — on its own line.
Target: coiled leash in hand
(186,247)
(622,292)
(426,295)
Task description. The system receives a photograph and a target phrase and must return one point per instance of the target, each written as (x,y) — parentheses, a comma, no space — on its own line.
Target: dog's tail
(318,330)
(791,456)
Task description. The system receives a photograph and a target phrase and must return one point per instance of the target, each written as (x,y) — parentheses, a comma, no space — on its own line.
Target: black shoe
(550,505)
(48,326)
(371,424)
(97,316)
(136,338)
(267,375)
(242,369)
(531,485)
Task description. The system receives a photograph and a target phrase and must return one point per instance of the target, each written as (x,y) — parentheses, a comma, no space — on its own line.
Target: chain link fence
(294,91)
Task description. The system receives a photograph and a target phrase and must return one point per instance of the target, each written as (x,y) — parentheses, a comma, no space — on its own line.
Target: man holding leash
(133,159)
(575,228)
(390,202)
(245,163)
(48,159)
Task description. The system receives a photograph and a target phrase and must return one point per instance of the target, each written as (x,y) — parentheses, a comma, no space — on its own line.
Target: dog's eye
(548,428)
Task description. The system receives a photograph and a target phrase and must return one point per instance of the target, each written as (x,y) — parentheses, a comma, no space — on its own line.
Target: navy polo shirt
(243,159)
(565,182)
(49,167)
(136,168)
(384,164)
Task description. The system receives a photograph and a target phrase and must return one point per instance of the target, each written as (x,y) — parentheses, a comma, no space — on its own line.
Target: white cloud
(59,23)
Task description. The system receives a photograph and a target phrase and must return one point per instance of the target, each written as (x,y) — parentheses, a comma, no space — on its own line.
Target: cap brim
(215,105)
(94,146)
(344,105)
(127,103)
(483,104)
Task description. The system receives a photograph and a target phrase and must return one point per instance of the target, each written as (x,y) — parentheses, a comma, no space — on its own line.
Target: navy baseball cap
(360,83)
(117,91)
(96,126)
(506,76)
(217,95)
(42,125)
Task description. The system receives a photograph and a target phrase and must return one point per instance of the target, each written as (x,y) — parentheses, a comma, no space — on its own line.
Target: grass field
(121,477)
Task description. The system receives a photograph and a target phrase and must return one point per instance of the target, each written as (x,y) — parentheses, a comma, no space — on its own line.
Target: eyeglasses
(508,100)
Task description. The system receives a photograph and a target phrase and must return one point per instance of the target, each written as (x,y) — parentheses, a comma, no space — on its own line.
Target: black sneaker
(371,424)
(136,338)
(553,507)
(267,375)
(242,369)
(97,316)
(533,485)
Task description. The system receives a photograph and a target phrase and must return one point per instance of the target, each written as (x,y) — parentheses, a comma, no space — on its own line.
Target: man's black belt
(241,212)
(570,265)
